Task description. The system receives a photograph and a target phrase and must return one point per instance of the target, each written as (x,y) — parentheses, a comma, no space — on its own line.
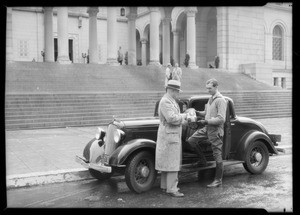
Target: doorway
(70,49)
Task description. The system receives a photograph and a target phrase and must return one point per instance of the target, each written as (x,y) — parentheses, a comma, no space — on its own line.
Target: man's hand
(203,122)
(191,118)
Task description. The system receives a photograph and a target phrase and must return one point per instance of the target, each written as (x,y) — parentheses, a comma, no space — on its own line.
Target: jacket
(168,145)
(215,113)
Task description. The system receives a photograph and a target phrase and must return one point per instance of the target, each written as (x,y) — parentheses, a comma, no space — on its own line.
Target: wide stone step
(129,104)
(70,104)
(104,122)
(125,113)
(67,117)
(22,115)
(35,111)
(126,100)
(266,115)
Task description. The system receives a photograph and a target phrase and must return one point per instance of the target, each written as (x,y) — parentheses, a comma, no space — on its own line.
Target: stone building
(256,40)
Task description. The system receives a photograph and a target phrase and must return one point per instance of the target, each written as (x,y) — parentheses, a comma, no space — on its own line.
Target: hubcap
(144,171)
(258,156)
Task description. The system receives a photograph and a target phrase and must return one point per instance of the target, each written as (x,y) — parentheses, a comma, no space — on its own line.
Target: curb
(41,178)
(69,175)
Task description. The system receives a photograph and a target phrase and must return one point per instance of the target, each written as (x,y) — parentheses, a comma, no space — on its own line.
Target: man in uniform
(213,130)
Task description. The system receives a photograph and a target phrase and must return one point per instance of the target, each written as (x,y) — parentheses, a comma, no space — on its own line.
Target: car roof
(193,97)
(200,96)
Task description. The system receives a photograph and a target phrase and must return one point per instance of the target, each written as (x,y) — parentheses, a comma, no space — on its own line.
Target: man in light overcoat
(168,146)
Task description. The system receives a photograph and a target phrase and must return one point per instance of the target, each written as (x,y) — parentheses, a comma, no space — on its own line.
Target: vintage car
(127,146)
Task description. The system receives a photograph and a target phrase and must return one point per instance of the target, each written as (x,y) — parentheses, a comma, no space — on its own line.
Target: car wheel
(100,175)
(257,158)
(140,173)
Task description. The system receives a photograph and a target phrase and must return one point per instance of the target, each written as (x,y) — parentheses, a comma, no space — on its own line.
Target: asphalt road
(272,191)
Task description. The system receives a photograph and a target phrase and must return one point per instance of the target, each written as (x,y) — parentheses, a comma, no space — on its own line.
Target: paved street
(271,190)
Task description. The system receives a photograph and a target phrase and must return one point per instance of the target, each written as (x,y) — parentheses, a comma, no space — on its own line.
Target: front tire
(100,175)
(257,158)
(140,173)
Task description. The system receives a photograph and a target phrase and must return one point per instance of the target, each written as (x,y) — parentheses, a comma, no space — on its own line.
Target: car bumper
(99,166)
(275,138)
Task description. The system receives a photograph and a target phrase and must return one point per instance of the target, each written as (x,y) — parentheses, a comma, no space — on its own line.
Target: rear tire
(140,173)
(257,158)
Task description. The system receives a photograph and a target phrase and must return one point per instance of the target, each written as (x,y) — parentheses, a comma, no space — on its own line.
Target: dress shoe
(176,194)
(215,183)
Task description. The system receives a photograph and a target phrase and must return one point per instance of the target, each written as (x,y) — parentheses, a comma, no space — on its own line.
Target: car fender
(92,151)
(249,138)
(120,155)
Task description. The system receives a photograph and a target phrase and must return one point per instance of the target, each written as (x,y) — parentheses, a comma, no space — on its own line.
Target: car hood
(140,122)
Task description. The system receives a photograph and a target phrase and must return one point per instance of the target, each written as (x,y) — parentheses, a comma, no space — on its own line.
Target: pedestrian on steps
(168,75)
(177,73)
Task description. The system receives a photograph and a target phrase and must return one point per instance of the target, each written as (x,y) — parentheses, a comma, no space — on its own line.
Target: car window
(199,105)
(182,106)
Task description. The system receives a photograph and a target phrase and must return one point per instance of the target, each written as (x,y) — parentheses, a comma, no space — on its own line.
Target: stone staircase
(48,95)
(30,111)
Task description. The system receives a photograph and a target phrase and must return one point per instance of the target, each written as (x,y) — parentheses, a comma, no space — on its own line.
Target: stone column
(49,41)
(131,39)
(112,46)
(222,36)
(191,36)
(9,39)
(93,44)
(166,40)
(176,46)
(154,35)
(62,35)
(144,53)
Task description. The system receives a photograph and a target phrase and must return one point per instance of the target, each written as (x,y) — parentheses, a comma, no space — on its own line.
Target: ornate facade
(254,40)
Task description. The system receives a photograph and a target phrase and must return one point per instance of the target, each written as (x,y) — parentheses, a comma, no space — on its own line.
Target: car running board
(211,164)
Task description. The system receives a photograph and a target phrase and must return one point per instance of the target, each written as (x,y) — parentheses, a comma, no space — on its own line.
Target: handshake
(191,117)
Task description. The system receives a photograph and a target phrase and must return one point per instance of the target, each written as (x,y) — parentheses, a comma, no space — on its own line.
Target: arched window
(122,11)
(277,43)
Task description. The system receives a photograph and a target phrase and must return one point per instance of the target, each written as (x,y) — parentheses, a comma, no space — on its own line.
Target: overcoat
(168,145)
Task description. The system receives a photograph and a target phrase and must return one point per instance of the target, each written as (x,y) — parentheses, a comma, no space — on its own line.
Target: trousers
(212,134)
(169,181)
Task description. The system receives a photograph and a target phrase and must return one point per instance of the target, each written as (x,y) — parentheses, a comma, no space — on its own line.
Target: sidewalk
(43,156)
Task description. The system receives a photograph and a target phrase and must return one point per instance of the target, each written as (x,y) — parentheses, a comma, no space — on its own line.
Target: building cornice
(279,7)
(70,13)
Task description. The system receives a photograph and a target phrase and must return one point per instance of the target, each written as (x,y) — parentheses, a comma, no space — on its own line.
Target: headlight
(101,134)
(118,135)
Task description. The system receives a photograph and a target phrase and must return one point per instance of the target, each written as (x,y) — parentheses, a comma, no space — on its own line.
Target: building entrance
(70,49)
